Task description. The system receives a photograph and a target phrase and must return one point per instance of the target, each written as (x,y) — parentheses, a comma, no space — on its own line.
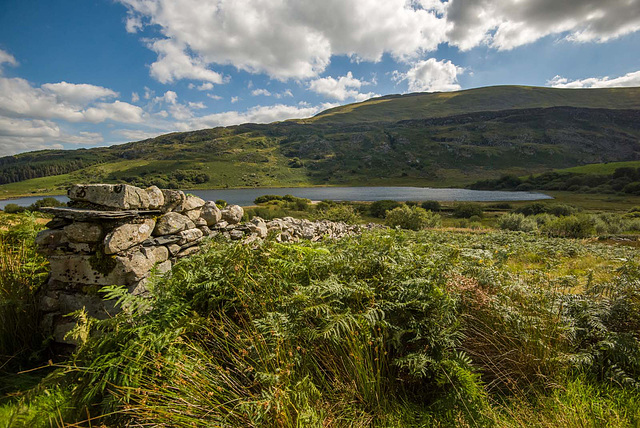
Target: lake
(245,197)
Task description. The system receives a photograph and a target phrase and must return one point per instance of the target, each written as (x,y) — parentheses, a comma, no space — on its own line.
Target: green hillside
(441,139)
(494,98)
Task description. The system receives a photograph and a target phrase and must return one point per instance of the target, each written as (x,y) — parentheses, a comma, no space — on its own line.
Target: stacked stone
(118,234)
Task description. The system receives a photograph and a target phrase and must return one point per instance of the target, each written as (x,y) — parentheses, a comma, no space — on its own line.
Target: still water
(245,197)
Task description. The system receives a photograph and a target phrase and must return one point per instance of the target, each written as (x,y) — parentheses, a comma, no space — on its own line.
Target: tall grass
(22,273)
(392,328)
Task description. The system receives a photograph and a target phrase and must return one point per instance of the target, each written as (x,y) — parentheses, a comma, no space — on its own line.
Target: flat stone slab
(78,214)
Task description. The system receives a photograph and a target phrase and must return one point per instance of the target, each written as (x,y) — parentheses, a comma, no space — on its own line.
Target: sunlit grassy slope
(494,98)
(438,139)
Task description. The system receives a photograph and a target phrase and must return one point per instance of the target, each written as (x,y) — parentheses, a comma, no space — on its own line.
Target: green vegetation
(392,328)
(412,218)
(623,180)
(449,139)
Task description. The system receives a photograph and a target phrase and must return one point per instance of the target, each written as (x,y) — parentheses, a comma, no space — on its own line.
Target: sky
(88,73)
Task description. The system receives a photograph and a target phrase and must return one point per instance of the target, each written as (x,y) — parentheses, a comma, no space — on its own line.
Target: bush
(573,226)
(45,202)
(341,212)
(467,210)
(532,209)
(267,198)
(379,208)
(561,210)
(413,218)
(516,221)
(431,206)
(14,209)
(221,203)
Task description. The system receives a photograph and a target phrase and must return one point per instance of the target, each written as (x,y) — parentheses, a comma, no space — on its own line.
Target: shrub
(267,198)
(46,202)
(516,221)
(573,226)
(467,210)
(432,206)
(14,209)
(221,203)
(379,208)
(341,212)
(561,210)
(532,209)
(413,218)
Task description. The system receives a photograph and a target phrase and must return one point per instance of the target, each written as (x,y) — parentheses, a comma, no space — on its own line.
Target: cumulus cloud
(257,92)
(431,75)
(257,114)
(174,64)
(135,97)
(307,33)
(78,94)
(136,134)
(629,79)
(342,88)
(19,135)
(18,98)
(506,24)
(7,58)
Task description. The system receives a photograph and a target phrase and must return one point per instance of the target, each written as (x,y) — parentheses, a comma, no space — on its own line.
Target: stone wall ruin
(117,234)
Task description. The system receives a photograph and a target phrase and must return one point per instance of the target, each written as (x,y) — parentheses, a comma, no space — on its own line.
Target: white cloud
(341,88)
(207,86)
(257,92)
(258,114)
(506,24)
(19,135)
(78,94)
(629,79)
(135,97)
(214,97)
(234,100)
(300,45)
(136,134)
(174,64)
(7,58)
(431,76)
(63,101)
(198,105)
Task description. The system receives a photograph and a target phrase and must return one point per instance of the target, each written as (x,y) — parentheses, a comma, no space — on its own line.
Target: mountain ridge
(388,141)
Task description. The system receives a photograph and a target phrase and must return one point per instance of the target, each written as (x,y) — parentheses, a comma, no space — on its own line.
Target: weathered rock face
(173,199)
(118,196)
(211,214)
(83,232)
(124,241)
(191,203)
(126,236)
(232,214)
(171,223)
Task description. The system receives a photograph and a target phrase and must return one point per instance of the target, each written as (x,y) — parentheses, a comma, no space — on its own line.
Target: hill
(441,139)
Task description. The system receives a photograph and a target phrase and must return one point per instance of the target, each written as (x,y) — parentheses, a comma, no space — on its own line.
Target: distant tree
(379,208)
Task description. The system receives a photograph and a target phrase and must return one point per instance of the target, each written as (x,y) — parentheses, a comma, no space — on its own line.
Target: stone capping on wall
(117,234)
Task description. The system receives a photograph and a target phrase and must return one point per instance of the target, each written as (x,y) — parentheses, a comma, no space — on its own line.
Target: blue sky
(85,73)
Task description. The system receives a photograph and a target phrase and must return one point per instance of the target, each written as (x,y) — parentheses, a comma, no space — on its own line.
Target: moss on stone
(102,262)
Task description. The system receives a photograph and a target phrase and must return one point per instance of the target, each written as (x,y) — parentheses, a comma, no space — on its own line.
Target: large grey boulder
(193,214)
(173,199)
(189,236)
(83,232)
(232,214)
(126,236)
(48,241)
(191,203)
(85,269)
(118,196)
(137,264)
(259,227)
(171,223)
(211,213)
(156,197)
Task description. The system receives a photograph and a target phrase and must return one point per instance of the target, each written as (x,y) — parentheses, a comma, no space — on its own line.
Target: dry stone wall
(119,234)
